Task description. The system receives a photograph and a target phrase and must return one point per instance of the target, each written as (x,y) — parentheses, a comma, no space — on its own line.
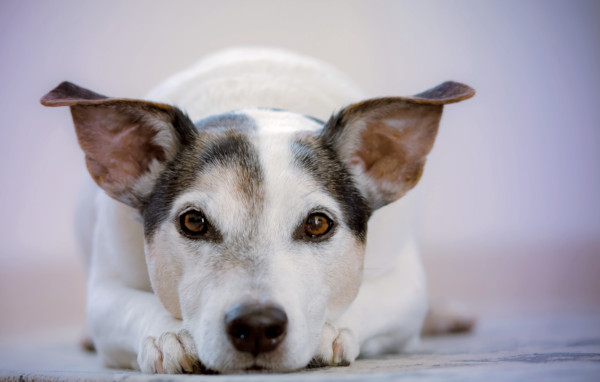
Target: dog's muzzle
(256,328)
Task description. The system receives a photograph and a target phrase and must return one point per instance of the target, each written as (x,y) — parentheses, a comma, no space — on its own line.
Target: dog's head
(255,221)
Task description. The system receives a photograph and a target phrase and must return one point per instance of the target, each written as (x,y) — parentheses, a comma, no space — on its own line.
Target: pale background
(510,222)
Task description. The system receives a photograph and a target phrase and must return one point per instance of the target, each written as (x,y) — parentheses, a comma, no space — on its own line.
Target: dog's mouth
(256,369)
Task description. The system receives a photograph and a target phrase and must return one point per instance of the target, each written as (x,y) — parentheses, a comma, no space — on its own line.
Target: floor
(539,314)
(562,347)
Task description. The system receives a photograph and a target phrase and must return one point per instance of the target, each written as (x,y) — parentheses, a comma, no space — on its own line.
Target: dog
(249,234)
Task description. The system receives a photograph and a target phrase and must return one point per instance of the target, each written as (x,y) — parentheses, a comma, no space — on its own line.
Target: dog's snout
(256,328)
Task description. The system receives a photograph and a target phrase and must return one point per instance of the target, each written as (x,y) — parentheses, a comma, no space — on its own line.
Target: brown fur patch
(394,156)
(118,144)
(119,137)
(388,139)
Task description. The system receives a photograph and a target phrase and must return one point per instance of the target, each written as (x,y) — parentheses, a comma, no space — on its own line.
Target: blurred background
(510,218)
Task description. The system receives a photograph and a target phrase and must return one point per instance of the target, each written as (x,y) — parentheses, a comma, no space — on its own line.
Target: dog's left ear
(385,141)
(126,142)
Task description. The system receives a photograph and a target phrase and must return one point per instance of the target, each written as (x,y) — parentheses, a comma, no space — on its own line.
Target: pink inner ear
(382,152)
(393,150)
(386,140)
(119,149)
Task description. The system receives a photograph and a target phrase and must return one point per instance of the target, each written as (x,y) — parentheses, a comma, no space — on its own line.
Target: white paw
(338,347)
(171,353)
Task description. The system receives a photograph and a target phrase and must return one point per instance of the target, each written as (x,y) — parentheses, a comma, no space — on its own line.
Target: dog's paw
(338,347)
(171,353)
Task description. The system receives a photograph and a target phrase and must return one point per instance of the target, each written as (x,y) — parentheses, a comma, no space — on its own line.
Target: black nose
(256,328)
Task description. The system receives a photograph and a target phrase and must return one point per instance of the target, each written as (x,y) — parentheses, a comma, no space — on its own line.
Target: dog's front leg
(387,314)
(132,329)
(129,325)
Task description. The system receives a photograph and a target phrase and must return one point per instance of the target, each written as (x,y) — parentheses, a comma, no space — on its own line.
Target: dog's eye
(193,223)
(317,224)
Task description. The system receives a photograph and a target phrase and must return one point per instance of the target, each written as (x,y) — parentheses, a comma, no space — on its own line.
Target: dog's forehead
(251,161)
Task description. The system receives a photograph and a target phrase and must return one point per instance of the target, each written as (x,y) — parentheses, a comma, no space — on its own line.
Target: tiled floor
(548,348)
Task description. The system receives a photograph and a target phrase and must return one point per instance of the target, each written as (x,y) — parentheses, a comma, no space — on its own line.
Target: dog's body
(239,243)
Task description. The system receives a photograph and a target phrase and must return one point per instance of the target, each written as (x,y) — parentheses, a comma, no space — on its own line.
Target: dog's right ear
(127,142)
(385,141)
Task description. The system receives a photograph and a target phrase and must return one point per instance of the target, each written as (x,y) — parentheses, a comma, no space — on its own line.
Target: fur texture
(253,201)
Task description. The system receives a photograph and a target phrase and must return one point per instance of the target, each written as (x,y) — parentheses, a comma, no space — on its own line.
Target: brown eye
(317,225)
(193,223)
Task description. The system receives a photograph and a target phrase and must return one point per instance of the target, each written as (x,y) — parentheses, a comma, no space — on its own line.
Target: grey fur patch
(321,161)
(317,120)
(222,141)
(237,121)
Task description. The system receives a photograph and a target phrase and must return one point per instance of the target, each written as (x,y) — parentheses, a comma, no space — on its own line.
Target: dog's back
(253,77)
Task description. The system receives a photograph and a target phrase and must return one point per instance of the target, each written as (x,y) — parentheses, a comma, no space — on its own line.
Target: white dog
(235,239)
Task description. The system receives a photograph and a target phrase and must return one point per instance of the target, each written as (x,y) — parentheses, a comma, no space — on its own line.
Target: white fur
(130,325)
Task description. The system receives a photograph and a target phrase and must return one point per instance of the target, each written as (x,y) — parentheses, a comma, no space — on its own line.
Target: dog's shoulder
(118,249)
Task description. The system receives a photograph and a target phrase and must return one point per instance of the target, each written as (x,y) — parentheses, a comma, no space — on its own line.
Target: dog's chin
(258,366)
(257,369)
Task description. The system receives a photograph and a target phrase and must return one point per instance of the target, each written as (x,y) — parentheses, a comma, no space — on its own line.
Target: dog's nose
(256,328)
